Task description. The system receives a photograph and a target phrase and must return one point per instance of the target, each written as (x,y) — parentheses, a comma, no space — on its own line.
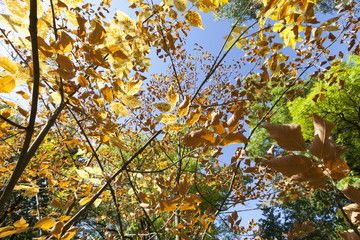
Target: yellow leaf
(21,223)
(166,118)
(57,229)
(65,218)
(184,106)
(98,35)
(14,23)
(94,170)
(7,112)
(70,233)
(193,18)
(132,88)
(31,191)
(234,137)
(73,3)
(71,16)
(205,6)
(83,81)
(180,5)
(120,109)
(117,142)
(8,233)
(107,93)
(173,127)
(171,96)
(7,84)
(55,97)
(84,201)
(82,174)
(173,14)
(163,107)
(198,138)
(8,65)
(45,223)
(16,8)
(97,202)
(193,117)
(95,181)
(64,44)
(131,101)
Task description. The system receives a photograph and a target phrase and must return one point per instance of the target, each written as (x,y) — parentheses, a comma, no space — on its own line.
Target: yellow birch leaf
(7,112)
(55,97)
(83,81)
(31,191)
(71,16)
(205,6)
(70,233)
(180,5)
(16,8)
(97,202)
(45,223)
(132,88)
(73,3)
(84,200)
(173,14)
(172,96)
(193,117)
(184,106)
(14,23)
(82,174)
(120,109)
(193,18)
(166,118)
(117,142)
(131,101)
(8,233)
(7,84)
(57,229)
(98,35)
(173,127)
(163,107)
(107,93)
(21,223)
(8,65)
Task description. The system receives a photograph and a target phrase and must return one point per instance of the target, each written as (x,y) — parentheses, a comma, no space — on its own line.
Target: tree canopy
(93,146)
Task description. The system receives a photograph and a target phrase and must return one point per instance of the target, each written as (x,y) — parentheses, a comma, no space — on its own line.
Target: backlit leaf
(57,229)
(120,109)
(107,93)
(8,65)
(70,233)
(288,136)
(205,6)
(73,3)
(166,118)
(193,18)
(232,138)
(84,200)
(198,138)
(173,127)
(45,223)
(131,101)
(117,142)
(163,107)
(351,193)
(7,84)
(184,106)
(172,96)
(193,117)
(180,5)
(21,223)
(82,174)
(132,88)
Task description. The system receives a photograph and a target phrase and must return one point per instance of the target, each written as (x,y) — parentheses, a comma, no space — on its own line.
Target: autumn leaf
(131,101)
(288,136)
(198,138)
(232,138)
(117,142)
(70,233)
(132,88)
(193,117)
(351,193)
(173,127)
(180,5)
(45,223)
(171,96)
(7,84)
(57,229)
(233,122)
(7,112)
(21,223)
(8,65)
(193,18)
(166,118)
(184,106)
(120,109)
(163,107)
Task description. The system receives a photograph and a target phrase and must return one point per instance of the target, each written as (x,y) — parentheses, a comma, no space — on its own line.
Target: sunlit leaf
(70,233)
(193,18)
(120,109)
(57,229)
(117,142)
(184,106)
(163,107)
(8,65)
(82,174)
(7,84)
(288,136)
(84,200)
(172,96)
(180,5)
(131,101)
(45,223)
(166,118)
(132,88)
(21,223)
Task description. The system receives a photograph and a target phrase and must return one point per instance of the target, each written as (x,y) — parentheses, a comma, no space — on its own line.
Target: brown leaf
(184,106)
(351,193)
(232,138)
(233,122)
(349,235)
(288,136)
(290,165)
(57,229)
(198,138)
(322,129)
